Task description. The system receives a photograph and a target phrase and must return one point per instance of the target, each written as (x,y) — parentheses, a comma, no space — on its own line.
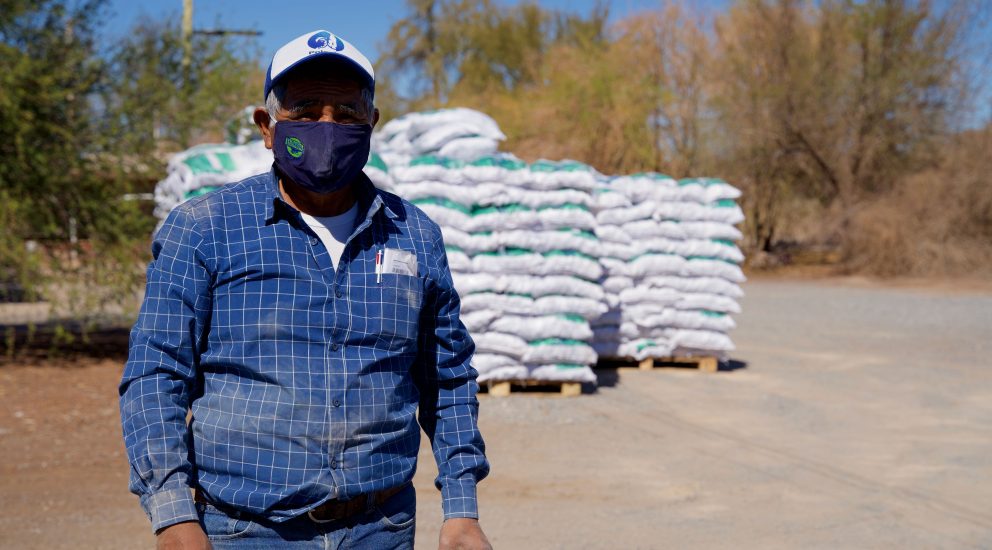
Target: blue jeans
(388,525)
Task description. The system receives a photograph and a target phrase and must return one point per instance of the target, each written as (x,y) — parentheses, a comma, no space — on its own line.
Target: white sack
(500,343)
(540,328)
(570,352)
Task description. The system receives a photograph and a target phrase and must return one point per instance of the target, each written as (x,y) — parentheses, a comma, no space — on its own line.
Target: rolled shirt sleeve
(161,371)
(449,408)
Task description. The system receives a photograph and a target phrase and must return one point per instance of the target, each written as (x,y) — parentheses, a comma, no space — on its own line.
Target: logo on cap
(294,147)
(324,39)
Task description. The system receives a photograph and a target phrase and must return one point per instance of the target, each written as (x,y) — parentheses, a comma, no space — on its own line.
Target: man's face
(313,96)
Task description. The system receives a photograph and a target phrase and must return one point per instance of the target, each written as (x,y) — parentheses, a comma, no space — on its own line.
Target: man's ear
(375,116)
(262,120)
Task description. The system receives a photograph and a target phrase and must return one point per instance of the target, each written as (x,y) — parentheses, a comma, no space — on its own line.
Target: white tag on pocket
(399,262)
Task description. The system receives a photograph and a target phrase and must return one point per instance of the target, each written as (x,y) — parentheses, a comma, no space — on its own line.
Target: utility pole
(187,61)
(187,90)
(187,40)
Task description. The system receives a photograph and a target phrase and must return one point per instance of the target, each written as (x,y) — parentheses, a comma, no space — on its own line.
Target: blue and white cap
(312,45)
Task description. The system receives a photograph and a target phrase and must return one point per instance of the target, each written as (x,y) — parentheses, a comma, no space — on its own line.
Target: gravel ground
(861,419)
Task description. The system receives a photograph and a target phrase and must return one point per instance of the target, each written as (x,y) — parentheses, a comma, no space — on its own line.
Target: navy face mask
(321,156)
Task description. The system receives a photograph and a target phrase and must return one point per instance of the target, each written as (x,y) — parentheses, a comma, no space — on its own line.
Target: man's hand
(463,534)
(183,536)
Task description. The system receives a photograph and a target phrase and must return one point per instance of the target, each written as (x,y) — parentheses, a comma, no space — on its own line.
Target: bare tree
(839,98)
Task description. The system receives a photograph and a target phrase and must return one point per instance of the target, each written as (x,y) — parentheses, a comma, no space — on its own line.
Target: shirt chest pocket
(401,299)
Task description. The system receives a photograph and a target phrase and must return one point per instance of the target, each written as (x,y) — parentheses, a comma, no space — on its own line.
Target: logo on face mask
(324,39)
(294,147)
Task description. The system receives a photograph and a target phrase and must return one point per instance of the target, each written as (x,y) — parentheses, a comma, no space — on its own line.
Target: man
(299,318)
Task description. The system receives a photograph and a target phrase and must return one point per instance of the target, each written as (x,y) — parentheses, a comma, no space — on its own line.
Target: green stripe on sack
(647,344)
(709,313)
(510,251)
(571,317)
(557,342)
(505,163)
(375,161)
(566,206)
(543,166)
(502,209)
(712,258)
(565,166)
(712,181)
(447,203)
(431,160)
(573,166)
(200,164)
(226,162)
(657,176)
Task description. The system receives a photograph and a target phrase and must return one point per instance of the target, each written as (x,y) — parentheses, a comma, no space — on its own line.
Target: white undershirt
(333,231)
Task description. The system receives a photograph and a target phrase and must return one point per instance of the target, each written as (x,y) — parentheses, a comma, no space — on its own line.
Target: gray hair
(273,103)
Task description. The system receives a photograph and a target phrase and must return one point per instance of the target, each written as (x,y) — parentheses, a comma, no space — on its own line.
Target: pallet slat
(503,388)
(705,364)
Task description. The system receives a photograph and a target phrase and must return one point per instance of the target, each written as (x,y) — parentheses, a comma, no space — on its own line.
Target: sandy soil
(861,419)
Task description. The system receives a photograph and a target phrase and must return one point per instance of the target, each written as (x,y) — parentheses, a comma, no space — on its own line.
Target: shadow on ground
(608,372)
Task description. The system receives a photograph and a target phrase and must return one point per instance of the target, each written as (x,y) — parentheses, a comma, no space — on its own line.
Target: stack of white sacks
(522,251)
(672,269)
(556,264)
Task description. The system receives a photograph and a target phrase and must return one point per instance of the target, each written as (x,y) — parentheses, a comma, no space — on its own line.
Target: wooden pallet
(503,388)
(705,364)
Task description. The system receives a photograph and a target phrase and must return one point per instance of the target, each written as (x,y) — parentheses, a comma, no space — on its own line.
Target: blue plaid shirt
(303,378)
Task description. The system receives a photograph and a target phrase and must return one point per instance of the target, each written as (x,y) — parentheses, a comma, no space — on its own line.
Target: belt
(333,509)
(336,509)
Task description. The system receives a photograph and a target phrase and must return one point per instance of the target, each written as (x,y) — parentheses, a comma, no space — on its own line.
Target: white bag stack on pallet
(536,242)
(555,263)
(615,249)
(203,168)
(679,283)
(522,253)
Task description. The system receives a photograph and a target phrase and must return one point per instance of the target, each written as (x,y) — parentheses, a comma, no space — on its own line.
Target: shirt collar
(368,196)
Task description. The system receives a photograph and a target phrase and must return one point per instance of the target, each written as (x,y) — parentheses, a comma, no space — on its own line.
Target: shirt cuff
(169,507)
(458,499)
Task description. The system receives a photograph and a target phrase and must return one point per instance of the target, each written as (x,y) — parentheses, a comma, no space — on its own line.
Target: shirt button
(313,241)
(334,347)
(339,293)
(336,402)
(334,463)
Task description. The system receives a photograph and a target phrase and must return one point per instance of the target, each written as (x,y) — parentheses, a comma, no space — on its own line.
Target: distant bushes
(838,119)
(935,222)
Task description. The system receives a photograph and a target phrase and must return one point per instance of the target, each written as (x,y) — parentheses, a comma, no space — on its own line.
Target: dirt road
(863,419)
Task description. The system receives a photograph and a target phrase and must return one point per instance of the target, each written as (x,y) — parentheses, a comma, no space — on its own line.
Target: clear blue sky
(364,23)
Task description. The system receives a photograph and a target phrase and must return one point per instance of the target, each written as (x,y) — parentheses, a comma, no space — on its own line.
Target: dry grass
(935,223)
